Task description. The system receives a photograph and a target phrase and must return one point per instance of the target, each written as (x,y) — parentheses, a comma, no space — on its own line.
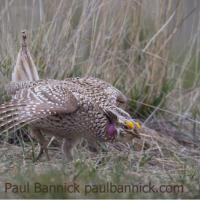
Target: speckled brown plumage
(69,109)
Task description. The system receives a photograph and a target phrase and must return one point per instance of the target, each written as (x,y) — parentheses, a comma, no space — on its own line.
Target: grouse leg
(42,144)
(67,146)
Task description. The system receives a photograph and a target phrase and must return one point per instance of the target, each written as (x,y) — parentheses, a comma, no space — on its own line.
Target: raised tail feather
(24,68)
(13,115)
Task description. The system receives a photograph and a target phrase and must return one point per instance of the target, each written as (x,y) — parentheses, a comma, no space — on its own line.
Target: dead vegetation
(135,50)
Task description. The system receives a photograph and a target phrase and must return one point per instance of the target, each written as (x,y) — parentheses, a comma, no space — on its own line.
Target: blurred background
(149,49)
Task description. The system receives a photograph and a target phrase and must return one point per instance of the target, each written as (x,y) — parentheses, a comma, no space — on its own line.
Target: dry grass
(165,162)
(134,45)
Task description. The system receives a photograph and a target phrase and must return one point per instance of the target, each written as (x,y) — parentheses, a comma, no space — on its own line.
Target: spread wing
(36,102)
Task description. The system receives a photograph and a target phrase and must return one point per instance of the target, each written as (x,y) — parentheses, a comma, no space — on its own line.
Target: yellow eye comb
(131,124)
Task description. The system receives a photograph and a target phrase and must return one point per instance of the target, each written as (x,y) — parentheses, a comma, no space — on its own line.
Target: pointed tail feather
(16,113)
(24,68)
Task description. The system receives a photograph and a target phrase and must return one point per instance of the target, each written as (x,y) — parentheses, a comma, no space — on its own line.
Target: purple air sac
(112,131)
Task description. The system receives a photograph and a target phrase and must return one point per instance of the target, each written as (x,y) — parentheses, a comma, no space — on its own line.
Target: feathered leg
(67,146)
(42,143)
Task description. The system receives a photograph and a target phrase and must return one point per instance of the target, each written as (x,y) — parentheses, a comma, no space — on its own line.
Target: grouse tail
(25,68)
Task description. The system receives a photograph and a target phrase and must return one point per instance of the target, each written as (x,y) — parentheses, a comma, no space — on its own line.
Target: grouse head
(120,124)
